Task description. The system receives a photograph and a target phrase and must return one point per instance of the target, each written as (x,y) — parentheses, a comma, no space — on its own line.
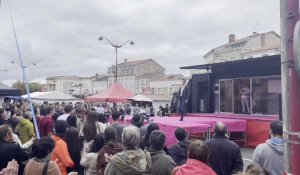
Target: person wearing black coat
(183,98)
(178,151)
(10,150)
(225,156)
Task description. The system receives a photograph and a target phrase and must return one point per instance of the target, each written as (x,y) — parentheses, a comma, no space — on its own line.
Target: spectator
(167,110)
(115,123)
(178,151)
(225,157)
(73,144)
(253,169)
(90,129)
(136,109)
(197,161)
(68,109)
(111,147)
(132,160)
(3,121)
(15,126)
(11,169)
(127,109)
(43,111)
(100,109)
(89,160)
(103,119)
(145,144)
(161,163)
(54,117)
(269,155)
(72,121)
(137,120)
(60,152)
(9,150)
(41,151)
(152,111)
(26,128)
(46,122)
(81,117)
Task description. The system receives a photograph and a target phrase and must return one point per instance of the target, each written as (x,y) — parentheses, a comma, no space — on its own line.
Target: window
(256,95)
(266,92)
(226,95)
(159,90)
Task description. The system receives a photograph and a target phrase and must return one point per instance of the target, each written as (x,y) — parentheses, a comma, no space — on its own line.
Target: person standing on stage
(183,96)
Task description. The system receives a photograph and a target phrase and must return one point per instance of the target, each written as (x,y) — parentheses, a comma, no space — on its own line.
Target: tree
(33,87)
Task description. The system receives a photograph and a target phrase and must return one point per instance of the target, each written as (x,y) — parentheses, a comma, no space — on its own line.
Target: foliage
(33,87)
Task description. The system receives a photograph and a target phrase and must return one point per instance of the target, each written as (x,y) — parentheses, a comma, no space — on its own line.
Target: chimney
(97,76)
(231,38)
(125,60)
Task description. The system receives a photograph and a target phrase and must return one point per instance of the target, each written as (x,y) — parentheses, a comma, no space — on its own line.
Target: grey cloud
(61,36)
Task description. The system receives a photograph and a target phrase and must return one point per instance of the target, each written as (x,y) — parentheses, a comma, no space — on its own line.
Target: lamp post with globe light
(116,46)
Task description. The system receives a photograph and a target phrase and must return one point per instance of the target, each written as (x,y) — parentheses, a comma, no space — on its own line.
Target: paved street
(247,156)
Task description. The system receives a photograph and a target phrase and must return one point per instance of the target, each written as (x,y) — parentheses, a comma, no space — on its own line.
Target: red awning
(115,93)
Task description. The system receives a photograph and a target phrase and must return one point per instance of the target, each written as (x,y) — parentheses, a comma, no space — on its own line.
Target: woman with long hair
(145,140)
(73,144)
(111,147)
(90,129)
(89,160)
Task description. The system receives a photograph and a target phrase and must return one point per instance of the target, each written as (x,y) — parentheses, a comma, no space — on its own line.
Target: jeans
(245,105)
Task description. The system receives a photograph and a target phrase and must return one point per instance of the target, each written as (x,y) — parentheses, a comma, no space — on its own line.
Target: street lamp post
(116,46)
(23,67)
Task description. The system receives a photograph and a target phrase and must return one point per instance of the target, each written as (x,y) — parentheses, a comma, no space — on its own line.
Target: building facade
(74,85)
(253,46)
(166,85)
(136,75)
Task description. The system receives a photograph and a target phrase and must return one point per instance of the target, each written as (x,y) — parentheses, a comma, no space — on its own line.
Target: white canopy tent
(141,97)
(51,96)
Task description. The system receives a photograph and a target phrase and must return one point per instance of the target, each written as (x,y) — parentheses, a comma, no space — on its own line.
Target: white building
(255,45)
(77,85)
(166,85)
(135,75)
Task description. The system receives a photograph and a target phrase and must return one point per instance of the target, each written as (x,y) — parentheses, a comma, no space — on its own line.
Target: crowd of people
(79,139)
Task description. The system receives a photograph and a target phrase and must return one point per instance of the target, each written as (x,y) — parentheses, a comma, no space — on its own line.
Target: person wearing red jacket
(197,161)
(60,153)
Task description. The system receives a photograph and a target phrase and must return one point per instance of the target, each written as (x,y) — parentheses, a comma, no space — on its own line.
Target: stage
(247,130)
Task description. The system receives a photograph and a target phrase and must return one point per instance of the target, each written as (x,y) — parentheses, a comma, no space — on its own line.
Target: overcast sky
(62,36)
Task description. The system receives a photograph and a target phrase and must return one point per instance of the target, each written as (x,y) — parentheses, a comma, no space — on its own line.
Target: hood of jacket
(155,155)
(177,150)
(24,122)
(276,144)
(133,162)
(113,149)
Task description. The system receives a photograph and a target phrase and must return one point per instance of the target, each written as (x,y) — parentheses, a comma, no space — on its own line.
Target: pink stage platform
(255,127)
(194,125)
